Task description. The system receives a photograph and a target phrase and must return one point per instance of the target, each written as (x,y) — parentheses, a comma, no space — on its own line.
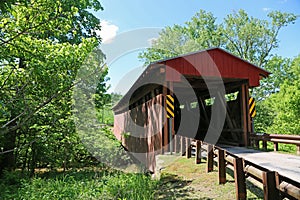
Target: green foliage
(253,39)
(104,146)
(280,113)
(286,103)
(43,45)
(85,184)
(280,71)
(105,114)
(247,37)
(130,186)
(264,116)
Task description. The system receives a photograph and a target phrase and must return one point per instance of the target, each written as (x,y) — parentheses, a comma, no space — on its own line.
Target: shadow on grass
(250,186)
(173,187)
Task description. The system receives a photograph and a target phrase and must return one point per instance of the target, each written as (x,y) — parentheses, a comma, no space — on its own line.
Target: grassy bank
(181,178)
(83,184)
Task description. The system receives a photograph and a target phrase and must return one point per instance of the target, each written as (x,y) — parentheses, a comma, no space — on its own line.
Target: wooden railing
(255,138)
(275,186)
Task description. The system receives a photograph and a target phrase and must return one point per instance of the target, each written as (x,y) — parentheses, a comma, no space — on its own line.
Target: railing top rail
(288,137)
(275,136)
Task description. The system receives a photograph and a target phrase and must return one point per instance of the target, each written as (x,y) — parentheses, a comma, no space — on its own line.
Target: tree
(280,71)
(286,103)
(253,39)
(247,37)
(43,44)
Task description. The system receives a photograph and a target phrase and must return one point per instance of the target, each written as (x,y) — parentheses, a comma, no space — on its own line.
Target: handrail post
(222,166)
(188,147)
(182,146)
(265,145)
(257,143)
(239,178)
(210,158)
(198,152)
(178,140)
(275,146)
(265,139)
(269,185)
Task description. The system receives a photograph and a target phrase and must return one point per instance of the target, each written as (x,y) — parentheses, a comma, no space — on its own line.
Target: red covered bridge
(211,92)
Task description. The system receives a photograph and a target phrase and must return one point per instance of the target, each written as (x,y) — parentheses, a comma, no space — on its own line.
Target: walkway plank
(285,164)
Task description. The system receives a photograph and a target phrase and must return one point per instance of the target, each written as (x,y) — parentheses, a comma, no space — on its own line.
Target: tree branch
(40,106)
(7,77)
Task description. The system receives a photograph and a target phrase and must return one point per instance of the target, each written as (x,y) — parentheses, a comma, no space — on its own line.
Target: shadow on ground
(173,187)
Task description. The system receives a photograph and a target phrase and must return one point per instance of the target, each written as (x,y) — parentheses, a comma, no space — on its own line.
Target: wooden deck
(285,164)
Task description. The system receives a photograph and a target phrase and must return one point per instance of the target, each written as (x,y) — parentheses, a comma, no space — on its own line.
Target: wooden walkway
(285,164)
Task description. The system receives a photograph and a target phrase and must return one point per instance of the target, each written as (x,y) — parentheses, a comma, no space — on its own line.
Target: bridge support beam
(245,113)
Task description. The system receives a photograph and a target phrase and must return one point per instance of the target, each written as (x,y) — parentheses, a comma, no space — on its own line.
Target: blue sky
(123,21)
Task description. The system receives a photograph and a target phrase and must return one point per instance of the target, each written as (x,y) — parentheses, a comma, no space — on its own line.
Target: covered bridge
(211,92)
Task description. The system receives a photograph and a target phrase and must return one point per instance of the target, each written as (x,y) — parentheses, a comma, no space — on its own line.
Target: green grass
(84,184)
(282,148)
(183,179)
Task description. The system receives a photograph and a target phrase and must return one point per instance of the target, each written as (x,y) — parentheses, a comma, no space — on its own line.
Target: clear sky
(124,23)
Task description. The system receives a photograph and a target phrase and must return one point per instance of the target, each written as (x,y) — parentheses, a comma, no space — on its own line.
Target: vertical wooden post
(198,152)
(239,178)
(277,181)
(257,143)
(298,149)
(177,144)
(182,145)
(188,148)
(222,166)
(275,146)
(171,139)
(245,113)
(165,120)
(210,158)
(265,145)
(269,185)
(172,121)
(161,99)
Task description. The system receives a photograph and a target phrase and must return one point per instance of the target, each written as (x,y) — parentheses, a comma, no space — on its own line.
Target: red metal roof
(211,63)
